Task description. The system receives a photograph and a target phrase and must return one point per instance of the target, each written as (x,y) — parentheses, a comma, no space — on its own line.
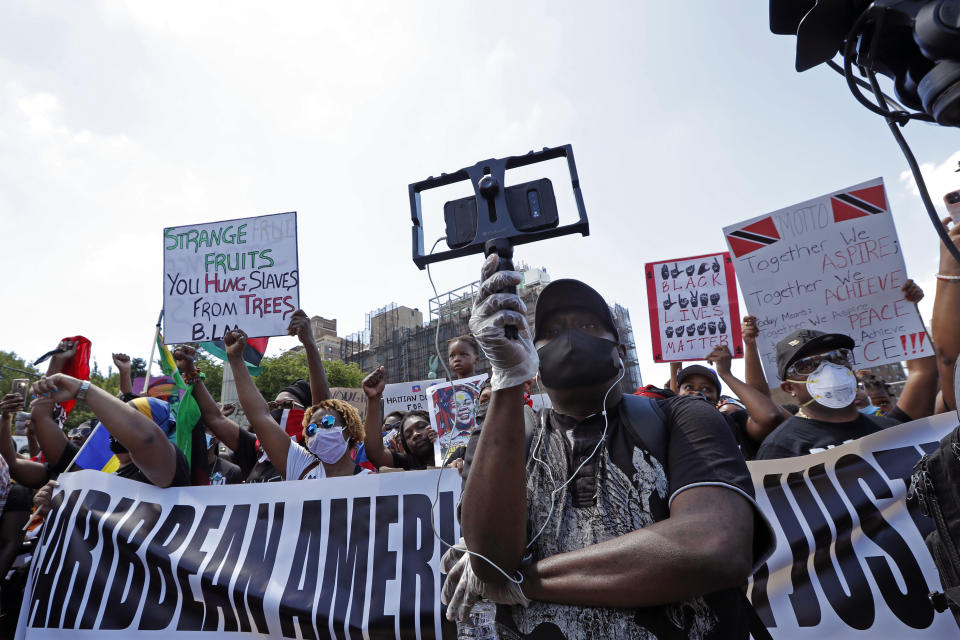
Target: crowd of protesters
(555,502)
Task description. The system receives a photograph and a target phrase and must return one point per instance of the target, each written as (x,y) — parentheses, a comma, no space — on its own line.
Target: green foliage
(212,368)
(11,359)
(138,368)
(280,371)
(340,374)
(81,413)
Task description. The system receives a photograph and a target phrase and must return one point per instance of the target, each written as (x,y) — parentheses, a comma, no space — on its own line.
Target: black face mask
(116,447)
(577,359)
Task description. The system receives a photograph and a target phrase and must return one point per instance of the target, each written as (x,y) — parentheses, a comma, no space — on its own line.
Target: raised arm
(59,360)
(51,438)
(146,443)
(674,370)
(764,413)
(946,310)
(122,361)
(494,501)
(919,393)
(752,368)
(273,439)
(300,327)
(373,386)
(26,472)
(226,430)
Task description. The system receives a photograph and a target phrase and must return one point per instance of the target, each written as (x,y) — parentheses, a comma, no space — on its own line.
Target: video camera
(915,43)
(497,217)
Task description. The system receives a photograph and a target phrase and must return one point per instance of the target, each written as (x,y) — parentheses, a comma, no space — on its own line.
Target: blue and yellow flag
(96,452)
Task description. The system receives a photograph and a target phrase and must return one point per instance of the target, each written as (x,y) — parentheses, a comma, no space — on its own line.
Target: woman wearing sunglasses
(330,428)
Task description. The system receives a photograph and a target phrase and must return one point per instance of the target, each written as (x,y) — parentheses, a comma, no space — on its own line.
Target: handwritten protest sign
(407,396)
(453,412)
(235,273)
(693,307)
(354,397)
(832,264)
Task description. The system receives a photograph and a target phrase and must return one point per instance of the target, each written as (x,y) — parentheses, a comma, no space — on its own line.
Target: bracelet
(193,377)
(944,278)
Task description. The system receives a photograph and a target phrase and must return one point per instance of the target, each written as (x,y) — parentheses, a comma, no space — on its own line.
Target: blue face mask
(871,410)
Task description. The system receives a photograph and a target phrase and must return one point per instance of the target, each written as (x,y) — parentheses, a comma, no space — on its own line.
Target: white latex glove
(512,362)
(463,588)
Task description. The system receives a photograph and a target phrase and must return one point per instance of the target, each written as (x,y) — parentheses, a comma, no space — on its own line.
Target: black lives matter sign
(219,276)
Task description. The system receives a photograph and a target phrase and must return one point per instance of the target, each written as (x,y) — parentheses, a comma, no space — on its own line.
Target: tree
(341,374)
(280,371)
(138,367)
(212,368)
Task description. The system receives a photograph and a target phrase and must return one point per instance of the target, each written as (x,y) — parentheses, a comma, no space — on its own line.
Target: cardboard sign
(407,396)
(232,274)
(453,412)
(693,307)
(832,264)
(354,397)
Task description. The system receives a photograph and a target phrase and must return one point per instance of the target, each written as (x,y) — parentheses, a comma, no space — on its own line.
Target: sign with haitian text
(832,264)
(693,307)
(407,396)
(218,276)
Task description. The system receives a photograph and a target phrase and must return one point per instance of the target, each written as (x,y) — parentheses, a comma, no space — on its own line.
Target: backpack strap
(647,425)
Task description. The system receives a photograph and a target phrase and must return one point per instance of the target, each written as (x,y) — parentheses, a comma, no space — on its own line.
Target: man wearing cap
(591,534)
(817,371)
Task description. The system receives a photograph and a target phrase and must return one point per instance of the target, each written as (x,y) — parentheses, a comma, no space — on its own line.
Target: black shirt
(407,462)
(737,421)
(799,436)
(225,472)
(250,465)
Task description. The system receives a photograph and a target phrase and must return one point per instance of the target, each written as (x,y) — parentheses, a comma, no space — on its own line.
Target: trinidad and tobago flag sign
(753,236)
(858,203)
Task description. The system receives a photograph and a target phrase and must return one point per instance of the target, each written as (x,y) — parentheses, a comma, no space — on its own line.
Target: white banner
(850,560)
(356,556)
(832,264)
(236,273)
(407,396)
(351,557)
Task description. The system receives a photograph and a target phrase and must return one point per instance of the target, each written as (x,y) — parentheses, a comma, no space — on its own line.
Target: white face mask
(832,385)
(328,444)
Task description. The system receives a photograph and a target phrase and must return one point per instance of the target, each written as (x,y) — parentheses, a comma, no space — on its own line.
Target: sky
(119,119)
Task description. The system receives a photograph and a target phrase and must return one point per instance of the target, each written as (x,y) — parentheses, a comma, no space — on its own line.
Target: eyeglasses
(806,366)
(326,422)
(286,403)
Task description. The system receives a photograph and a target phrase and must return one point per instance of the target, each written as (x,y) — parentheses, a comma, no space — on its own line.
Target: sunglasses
(326,422)
(806,366)
(80,432)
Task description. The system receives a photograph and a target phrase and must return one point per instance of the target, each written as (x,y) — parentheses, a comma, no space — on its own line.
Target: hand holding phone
(22,386)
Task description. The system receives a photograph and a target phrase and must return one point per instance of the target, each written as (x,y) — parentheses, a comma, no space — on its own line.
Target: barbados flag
(95,453)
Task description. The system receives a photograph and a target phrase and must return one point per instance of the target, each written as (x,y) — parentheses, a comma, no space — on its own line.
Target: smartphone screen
(22,386)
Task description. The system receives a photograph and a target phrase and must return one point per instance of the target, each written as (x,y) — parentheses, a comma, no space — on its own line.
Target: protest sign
(832,264)
(219,276)
(354,397)
(407,396)
(453,411)
(341,557)
(693,307)
(850,560)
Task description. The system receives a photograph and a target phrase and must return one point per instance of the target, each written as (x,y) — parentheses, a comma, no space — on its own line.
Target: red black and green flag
(252,353)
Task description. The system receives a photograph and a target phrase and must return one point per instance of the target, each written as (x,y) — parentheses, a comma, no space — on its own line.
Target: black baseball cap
(699,369)
(564,294)
(804,342)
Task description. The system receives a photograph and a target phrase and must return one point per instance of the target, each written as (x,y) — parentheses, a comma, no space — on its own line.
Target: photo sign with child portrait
(218,276)
(832,264)
(693,307)
(453,412)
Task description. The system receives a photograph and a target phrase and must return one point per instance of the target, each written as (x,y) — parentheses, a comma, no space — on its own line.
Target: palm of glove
(462,588)
(512,361)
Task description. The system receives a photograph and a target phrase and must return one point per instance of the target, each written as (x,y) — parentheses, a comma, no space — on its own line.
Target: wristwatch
(82,393)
